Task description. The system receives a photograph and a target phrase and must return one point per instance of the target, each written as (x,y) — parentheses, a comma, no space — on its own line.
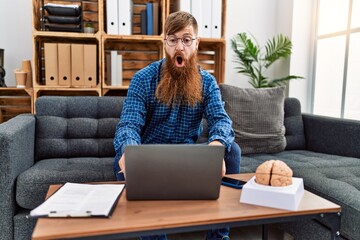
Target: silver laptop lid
(173,171)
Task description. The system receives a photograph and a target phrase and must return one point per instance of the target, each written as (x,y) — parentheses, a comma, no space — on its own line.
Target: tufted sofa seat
(73,143)
(68,140)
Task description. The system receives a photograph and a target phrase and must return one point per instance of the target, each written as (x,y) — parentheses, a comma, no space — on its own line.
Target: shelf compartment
(136,54)
(211,57)
(89,13)
(39,58)
(137,7)
(14,101)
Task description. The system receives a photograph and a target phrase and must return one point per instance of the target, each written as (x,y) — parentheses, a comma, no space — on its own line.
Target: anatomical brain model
(274,173)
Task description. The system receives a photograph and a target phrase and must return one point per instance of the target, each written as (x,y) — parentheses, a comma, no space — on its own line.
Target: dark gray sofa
(70,140)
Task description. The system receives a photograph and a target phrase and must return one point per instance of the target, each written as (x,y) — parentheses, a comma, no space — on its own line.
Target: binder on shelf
(196,11)
(112,17)
(64,64)
(119,70)
(185,5)
(143,22)
(90,65)
(206,18)
(77,65)
(155,7)
(108,68)
(51,64)
(207,13)
(125,17)
(216,12)
(149,18)
(113,66)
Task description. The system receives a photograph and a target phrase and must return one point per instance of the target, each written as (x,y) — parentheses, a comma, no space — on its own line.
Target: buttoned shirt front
(145,120)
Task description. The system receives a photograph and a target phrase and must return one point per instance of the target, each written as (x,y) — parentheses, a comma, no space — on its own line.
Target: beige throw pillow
(258,117)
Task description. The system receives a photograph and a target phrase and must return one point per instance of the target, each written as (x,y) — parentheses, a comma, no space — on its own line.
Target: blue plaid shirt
(145,120)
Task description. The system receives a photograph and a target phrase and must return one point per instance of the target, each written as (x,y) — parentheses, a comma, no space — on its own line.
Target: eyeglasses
(173,40)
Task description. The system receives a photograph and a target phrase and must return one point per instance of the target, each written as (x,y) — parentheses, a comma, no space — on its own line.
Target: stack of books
(60,17)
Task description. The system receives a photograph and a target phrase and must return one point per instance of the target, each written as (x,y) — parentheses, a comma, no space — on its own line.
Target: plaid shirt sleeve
(132,118)
(220,124)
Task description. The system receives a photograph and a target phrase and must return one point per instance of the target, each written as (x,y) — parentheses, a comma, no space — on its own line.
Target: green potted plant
(89,28)
(253,61)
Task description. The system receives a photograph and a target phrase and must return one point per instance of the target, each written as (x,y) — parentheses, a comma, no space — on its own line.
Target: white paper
(80,200)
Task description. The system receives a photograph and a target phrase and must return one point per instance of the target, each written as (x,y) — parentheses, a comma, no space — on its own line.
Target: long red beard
(180,84)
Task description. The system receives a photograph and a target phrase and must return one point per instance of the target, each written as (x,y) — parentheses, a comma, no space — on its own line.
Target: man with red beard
(167,100)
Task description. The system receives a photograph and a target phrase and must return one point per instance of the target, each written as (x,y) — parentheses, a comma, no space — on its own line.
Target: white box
(287,197)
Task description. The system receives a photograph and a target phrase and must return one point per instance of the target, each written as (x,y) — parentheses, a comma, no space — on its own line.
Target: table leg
(332,221)
(265,232)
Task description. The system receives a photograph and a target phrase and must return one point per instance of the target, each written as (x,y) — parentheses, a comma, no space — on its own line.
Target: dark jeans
(232,162)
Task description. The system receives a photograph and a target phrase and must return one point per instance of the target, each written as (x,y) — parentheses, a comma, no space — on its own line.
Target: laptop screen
(173,171)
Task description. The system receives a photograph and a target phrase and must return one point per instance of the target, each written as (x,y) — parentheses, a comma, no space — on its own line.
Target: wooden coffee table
(139,218)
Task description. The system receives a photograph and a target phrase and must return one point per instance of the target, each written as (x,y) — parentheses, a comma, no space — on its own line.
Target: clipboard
(80,200)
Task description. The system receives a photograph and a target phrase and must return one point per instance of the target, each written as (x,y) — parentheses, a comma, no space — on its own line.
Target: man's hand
(223,163)
(122,164)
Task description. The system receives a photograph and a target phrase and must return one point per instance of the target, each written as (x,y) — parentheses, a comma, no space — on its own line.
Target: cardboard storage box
(287,197)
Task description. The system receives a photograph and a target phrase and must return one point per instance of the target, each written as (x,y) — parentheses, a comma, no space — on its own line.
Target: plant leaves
(252,62)
(276,48)
(245,53)
(283,81)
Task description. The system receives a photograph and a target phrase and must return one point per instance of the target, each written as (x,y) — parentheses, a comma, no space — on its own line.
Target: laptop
(173,171)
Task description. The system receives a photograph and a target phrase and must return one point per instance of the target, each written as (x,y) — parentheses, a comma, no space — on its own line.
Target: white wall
(256,17)
(15,37)
(265,19)
(302,57)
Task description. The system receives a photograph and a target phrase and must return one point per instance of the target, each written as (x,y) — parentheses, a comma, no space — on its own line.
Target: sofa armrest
(332,135)
(17,139)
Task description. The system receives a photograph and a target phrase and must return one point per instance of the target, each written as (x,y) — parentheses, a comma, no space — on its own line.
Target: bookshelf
(137,50)
(14,101)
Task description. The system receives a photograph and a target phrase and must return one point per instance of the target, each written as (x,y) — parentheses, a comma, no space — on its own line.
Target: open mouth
(179,61)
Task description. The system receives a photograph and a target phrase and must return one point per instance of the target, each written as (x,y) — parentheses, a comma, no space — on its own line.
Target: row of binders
(70,65)
(208,14)
(119,18)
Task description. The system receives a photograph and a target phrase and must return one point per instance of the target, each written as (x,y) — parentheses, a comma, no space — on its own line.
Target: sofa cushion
(340,185)
(298,159)
(258,117)
(294,126)
(32,185)
(76,127)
